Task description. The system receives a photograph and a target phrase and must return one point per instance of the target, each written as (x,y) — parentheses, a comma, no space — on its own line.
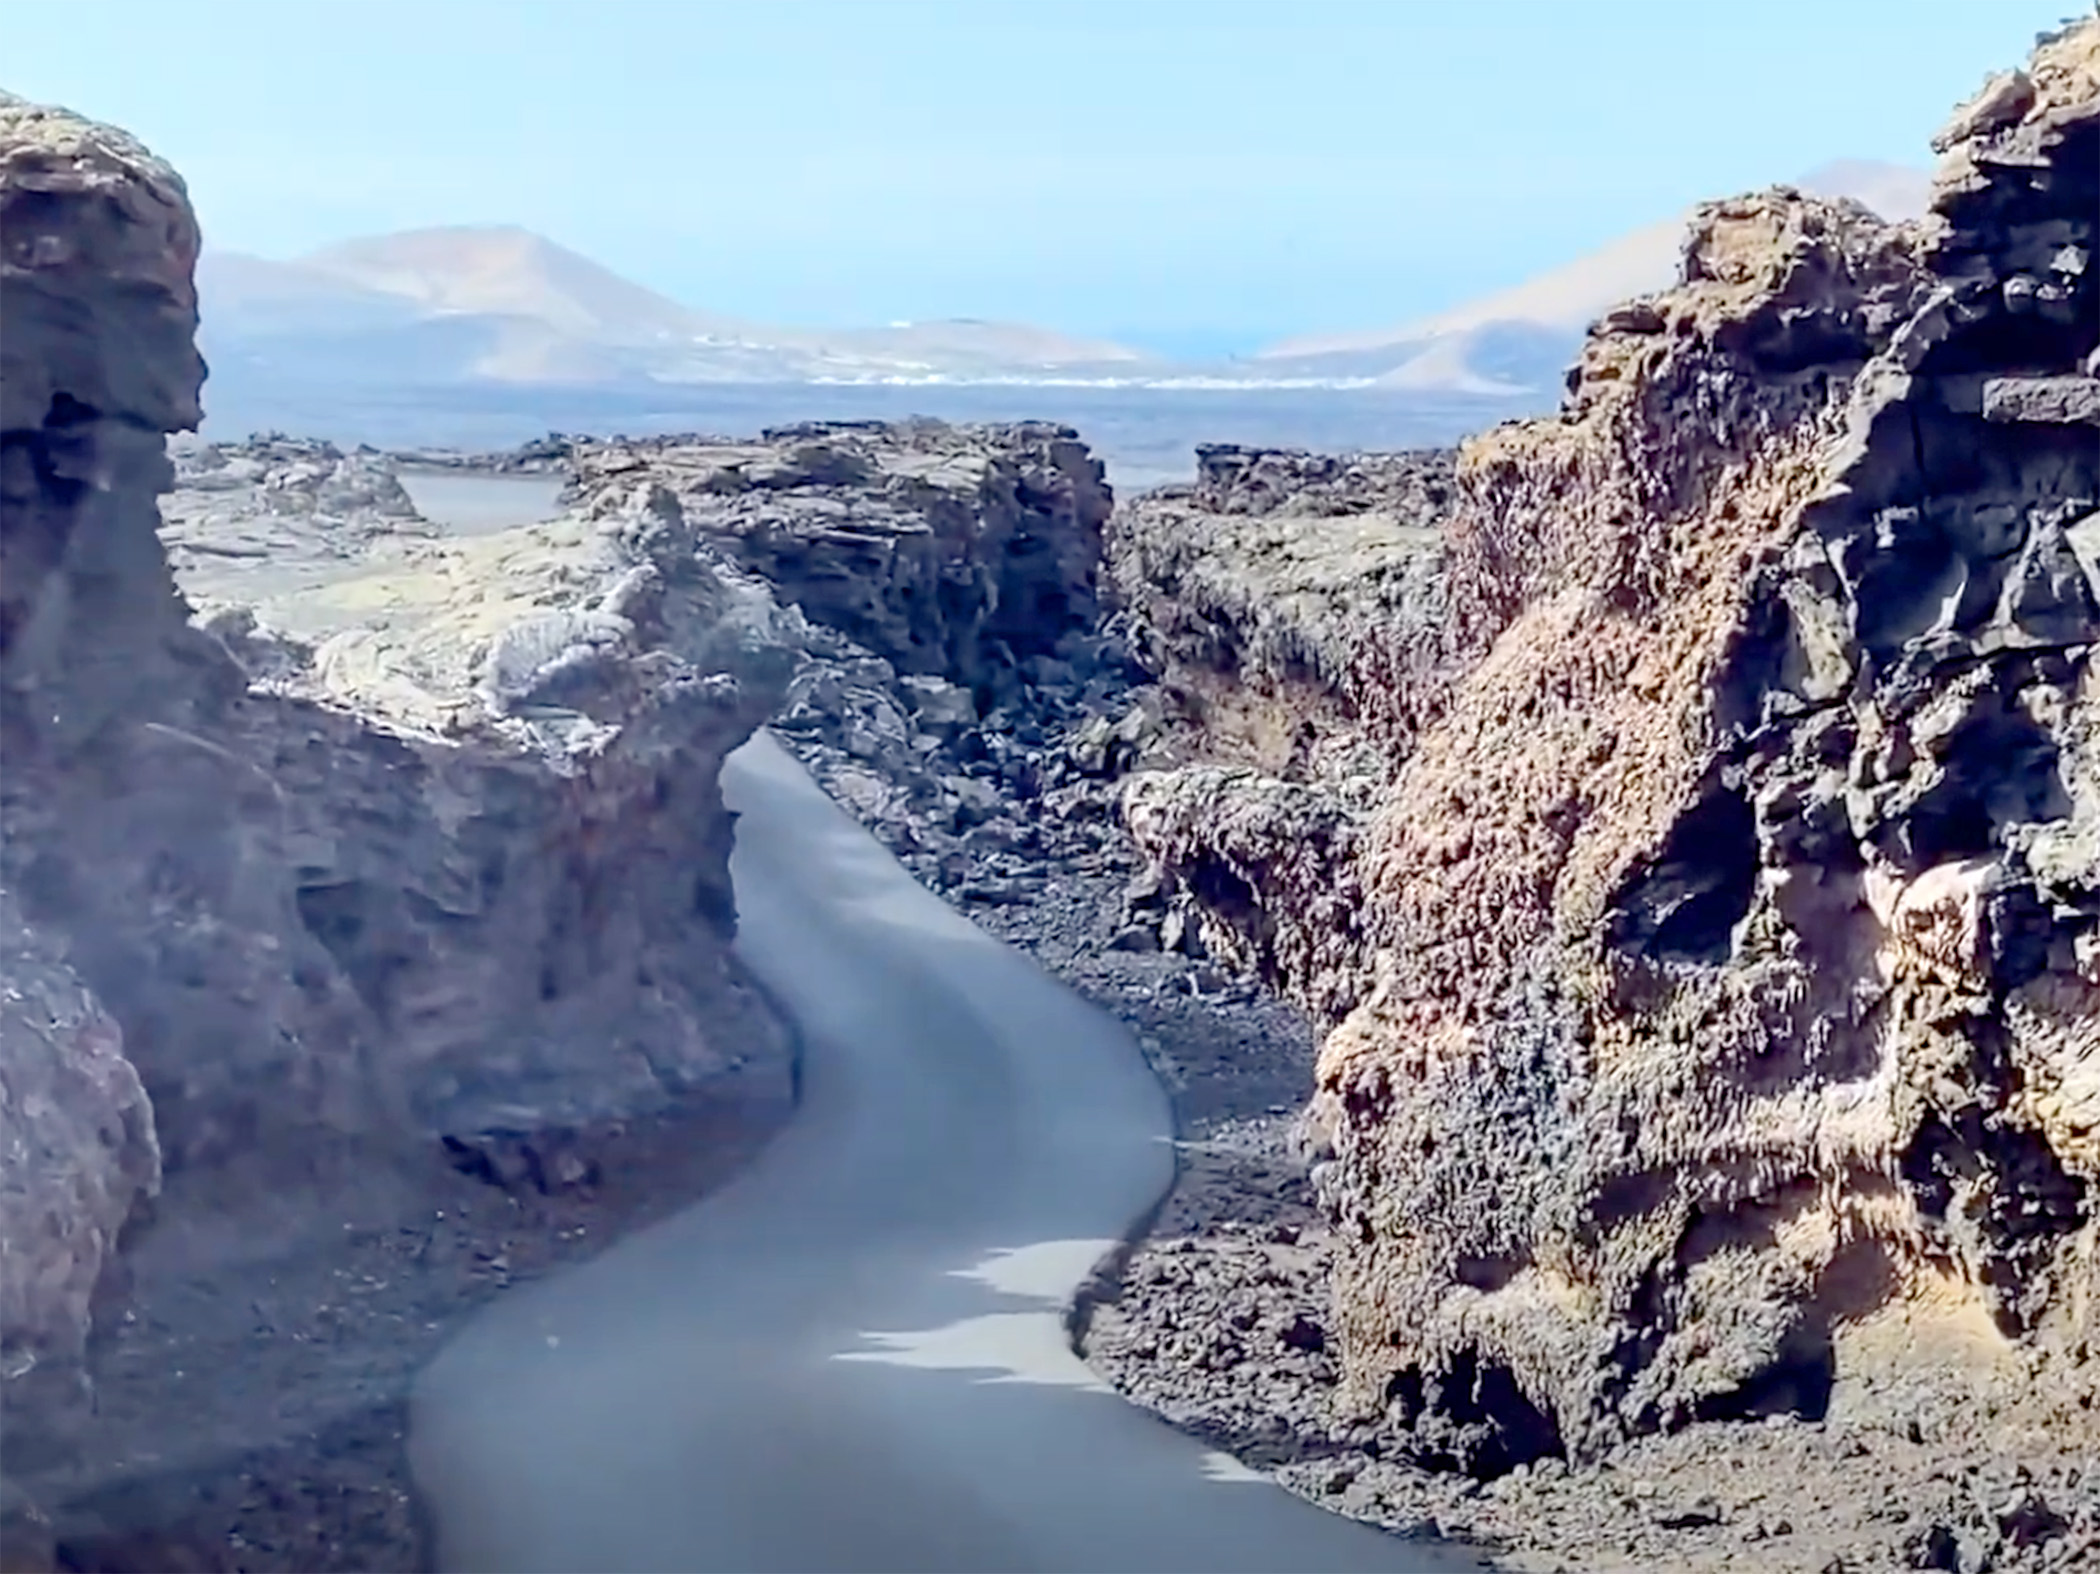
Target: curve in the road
(852,1357)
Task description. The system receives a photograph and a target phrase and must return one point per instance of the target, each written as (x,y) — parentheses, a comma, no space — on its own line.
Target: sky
(1194,176)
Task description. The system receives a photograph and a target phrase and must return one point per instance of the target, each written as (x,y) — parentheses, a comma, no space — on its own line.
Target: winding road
(852,1356)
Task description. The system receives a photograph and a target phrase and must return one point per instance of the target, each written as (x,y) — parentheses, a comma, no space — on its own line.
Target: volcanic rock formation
(955,552)
(513,681)
(1712,963)
(1260,593)
(275,927)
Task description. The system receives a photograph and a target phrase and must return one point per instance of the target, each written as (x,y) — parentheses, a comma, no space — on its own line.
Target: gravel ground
(253,1381)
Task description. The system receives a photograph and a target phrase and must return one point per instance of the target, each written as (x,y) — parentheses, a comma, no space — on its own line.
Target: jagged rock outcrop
(948,551)
(935,589)
(547,455)
(1715,1001)
(921,597)
(78,1152)
(90,225)
(285,906)
(1265,594)
(1272,599)
(490,758)
(289,503)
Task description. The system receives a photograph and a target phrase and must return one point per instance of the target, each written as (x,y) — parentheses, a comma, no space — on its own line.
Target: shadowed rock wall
(291,927)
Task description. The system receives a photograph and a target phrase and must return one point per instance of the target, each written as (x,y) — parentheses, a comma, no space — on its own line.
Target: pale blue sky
(1198,176)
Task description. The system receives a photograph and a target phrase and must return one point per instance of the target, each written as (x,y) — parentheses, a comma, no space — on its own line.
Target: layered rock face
(937,591)
(949,551)
(80,1153)
(1273,599)
(1714,981)
(91,224)
(287,905)
(1265,594)
(291,503)
(492,749)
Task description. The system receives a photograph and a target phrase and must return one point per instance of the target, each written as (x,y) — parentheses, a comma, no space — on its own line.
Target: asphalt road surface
(852,1357)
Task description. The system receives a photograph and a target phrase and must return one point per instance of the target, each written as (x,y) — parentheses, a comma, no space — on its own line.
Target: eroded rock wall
(79,1153)
(1712,974)
(936,589)
(90,225)
(1272,600)
(282,908)
(1265,595)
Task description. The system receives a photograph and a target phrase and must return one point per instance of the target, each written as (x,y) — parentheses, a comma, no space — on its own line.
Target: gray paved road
(851,1358)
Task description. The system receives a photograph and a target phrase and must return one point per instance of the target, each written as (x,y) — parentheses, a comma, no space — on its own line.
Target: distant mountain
(288,297)
(502,271)
(1518,341)
(501,314)
(503,306)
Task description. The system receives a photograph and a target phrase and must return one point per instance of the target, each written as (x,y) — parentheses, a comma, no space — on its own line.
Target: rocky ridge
(1261,594)
(937,586)
(1223,1321)
(1705,964)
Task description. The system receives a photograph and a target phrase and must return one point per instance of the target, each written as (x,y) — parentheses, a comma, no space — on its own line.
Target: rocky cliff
(1710,959)
(284,909)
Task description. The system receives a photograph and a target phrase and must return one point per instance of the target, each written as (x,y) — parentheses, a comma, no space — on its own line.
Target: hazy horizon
(1195,180)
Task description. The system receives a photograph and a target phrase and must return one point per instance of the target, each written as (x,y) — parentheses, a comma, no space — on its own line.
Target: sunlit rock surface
(1712,951)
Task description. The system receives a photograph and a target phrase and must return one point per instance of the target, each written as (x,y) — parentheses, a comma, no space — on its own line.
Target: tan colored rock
(1270,595)
(1717,978)
(1999,103)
